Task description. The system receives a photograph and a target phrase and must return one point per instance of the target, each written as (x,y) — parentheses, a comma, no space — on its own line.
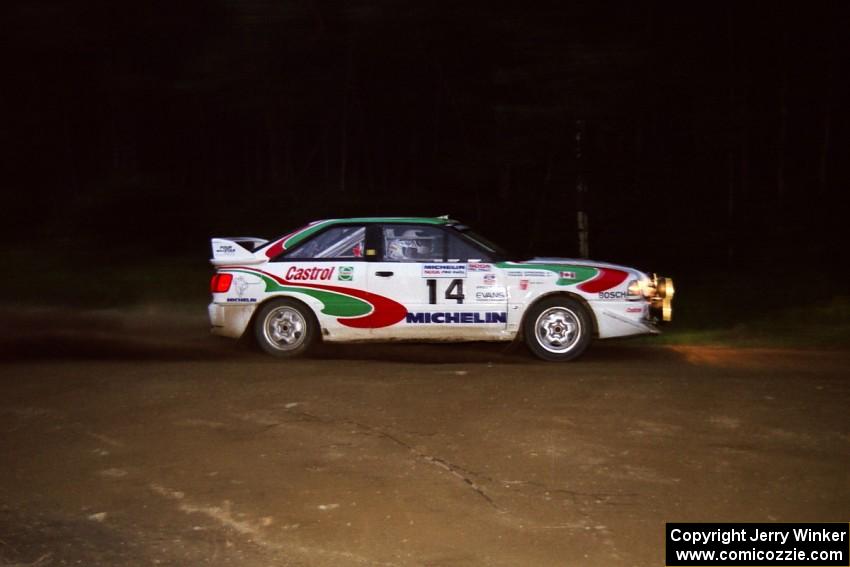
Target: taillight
(220,283)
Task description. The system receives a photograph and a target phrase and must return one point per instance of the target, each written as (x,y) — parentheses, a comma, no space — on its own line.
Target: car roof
(417,220)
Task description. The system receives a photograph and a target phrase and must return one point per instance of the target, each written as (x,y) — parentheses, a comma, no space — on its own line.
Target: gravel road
(131,447)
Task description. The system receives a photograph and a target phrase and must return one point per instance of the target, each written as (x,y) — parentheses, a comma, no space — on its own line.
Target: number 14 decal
(454,291)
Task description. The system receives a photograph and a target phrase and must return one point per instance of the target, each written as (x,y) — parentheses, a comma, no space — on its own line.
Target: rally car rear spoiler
(237,250)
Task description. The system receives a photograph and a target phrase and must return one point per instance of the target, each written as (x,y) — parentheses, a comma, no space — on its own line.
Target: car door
(447,294)
(328,272)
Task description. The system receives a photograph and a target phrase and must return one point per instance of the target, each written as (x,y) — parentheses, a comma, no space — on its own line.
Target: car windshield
(497,251)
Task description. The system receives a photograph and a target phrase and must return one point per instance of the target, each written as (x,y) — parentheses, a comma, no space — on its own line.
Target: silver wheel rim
(558,329)
(285,328)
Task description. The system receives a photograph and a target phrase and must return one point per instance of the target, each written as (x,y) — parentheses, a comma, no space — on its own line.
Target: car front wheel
(285,328)
(558,329)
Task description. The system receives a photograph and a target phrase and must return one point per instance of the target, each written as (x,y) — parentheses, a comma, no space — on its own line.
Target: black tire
(558,329)
(285,328)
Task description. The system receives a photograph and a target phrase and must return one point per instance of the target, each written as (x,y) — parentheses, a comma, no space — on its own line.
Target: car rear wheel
(558,329)
(285,328)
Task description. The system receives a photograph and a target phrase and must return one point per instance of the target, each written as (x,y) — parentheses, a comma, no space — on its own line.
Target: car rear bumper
(230,320)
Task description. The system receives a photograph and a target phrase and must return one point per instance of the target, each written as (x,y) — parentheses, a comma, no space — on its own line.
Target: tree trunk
(823,157)
(346,96)
(582,220)
(734,117)
(273,153)
(326,153)
(783,122)
(70,154)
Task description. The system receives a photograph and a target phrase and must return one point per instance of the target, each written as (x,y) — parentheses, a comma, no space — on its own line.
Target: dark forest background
(706,136)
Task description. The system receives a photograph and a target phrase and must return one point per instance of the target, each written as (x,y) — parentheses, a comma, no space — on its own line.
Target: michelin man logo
(242,285)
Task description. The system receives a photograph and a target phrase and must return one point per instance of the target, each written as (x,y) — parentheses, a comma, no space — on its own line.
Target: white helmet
(406,249)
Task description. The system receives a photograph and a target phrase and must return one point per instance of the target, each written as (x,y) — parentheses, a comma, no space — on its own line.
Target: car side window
(346,242)
(410,243)
(461,250)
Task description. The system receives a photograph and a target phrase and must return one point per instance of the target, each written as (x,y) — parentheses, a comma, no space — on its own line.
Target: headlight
(647,287)
(644,287)
(635,290)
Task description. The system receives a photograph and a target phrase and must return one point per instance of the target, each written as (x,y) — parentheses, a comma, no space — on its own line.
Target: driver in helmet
(408,249)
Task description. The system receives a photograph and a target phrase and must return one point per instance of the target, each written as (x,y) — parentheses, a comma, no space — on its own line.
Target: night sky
(712,136)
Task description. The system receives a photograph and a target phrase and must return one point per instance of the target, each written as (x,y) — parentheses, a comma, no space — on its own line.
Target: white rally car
(421,279)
